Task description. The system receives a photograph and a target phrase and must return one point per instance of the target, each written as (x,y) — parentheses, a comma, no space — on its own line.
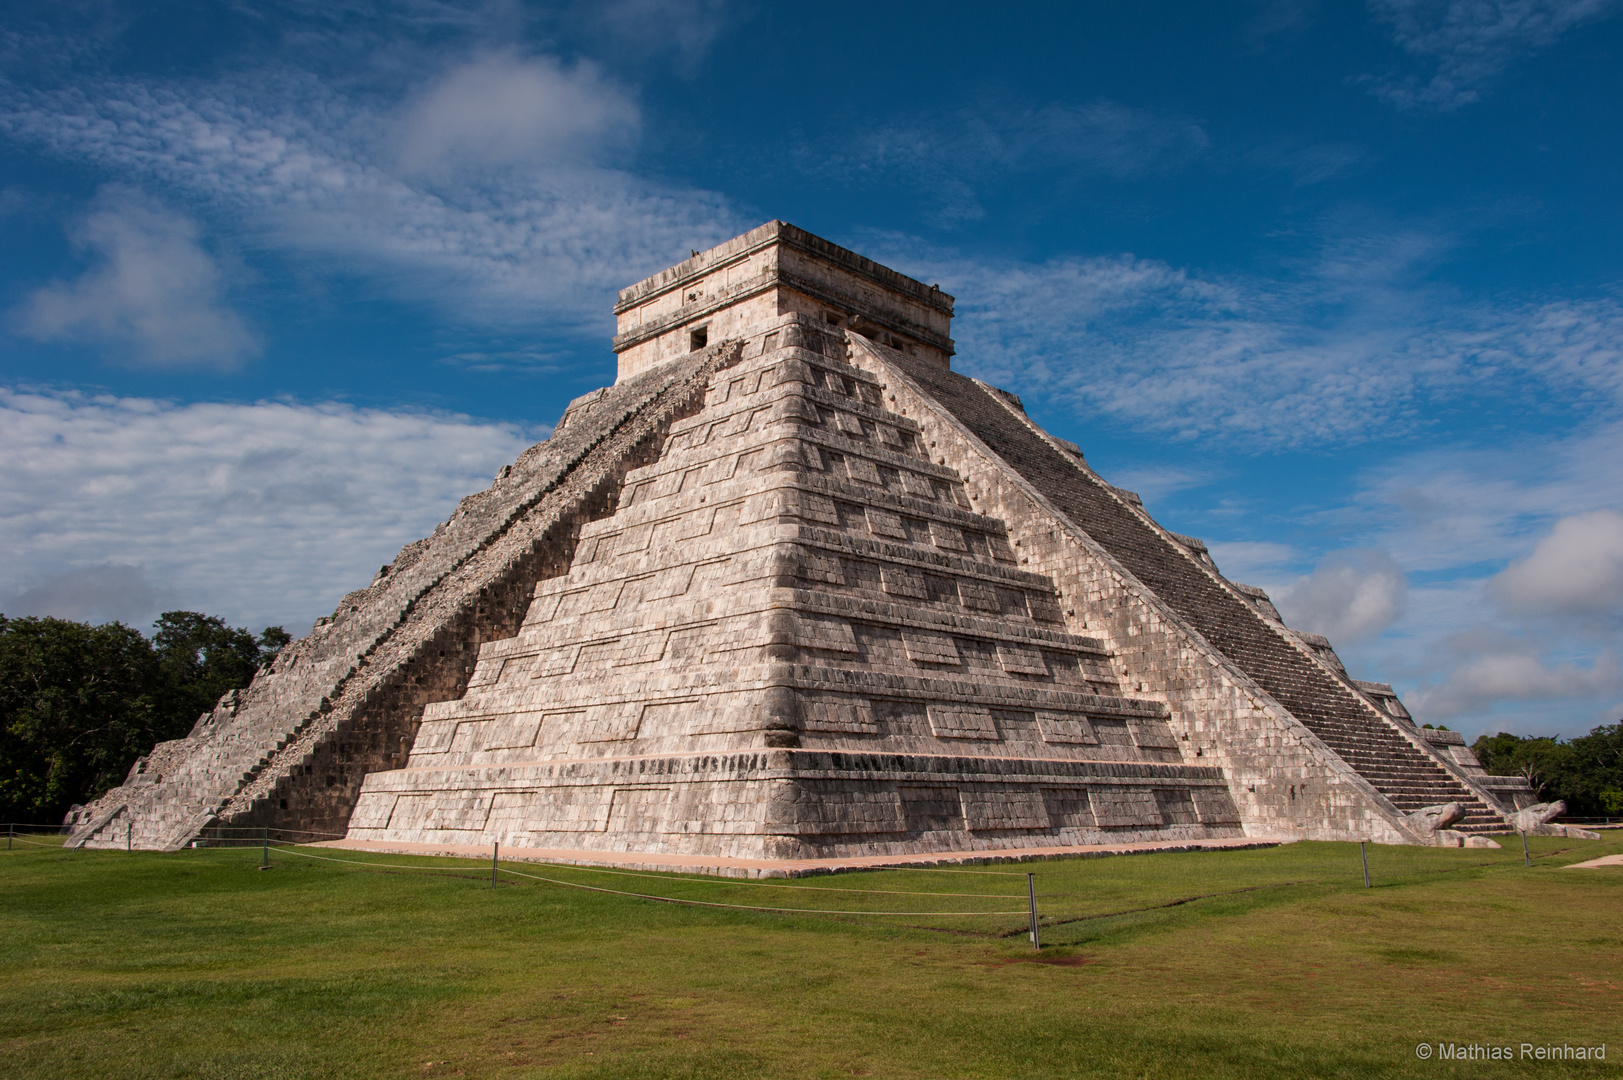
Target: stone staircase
(1326,703)
(1409,778)
(290,751)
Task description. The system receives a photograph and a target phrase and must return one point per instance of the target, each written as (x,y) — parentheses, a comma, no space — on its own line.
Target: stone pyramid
(794,589)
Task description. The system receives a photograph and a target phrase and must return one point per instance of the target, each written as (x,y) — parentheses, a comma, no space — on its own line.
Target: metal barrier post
(494,847)
(1363,853)
(1031,896)
(265,838)
(10,829)
(1526,855)
(129,835)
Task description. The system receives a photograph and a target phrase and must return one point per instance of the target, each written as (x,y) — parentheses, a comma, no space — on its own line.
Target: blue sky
(1336,287)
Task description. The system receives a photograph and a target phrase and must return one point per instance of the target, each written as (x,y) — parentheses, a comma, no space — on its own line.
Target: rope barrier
(246,833)
(675,900)
(774,885)
(357,862)
(1064,920)
(940,870)
(755,907)
(254,831)
(1049,918)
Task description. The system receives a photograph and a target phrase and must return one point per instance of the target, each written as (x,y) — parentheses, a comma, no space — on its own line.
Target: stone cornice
(779,232)
(706,264)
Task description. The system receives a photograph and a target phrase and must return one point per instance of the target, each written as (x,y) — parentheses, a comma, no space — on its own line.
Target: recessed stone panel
(1021,660)
(950,721)
(1124,808)
(986,810)
(924,647)
(1066,728)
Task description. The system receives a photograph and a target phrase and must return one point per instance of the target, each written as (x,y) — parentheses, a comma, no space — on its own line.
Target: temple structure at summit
(792,588)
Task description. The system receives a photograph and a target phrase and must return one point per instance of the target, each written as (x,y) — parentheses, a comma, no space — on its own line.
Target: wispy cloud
(1514,561)
(1257,562)
(1351,344)
(951,158)
(1443,509)
(1272,18)
(263,513)
(1470,42)
(153,296)
(539,236)
(1307,163)
(683,30)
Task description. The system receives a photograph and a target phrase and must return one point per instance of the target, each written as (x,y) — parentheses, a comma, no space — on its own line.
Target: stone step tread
(1323,703)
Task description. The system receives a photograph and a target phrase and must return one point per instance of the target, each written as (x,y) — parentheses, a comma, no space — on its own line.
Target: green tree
(78,705)
(1505,754)
(1585,772)
(201,659)
(1592,782)
(272,640)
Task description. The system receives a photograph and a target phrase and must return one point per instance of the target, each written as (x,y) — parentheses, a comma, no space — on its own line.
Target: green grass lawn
(1274,962)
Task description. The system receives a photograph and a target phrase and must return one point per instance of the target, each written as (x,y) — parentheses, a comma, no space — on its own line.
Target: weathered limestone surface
(750,281)
(291,750)
(794,638)
(1336,763)
(792,589)
(1539,820)
(1509,793)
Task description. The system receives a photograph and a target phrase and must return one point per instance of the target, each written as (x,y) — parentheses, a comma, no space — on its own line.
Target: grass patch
(1275,962)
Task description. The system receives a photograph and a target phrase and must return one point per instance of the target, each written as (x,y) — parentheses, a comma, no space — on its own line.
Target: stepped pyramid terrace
(794,589)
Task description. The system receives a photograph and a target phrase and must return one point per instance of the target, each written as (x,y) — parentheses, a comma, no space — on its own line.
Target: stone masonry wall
(1283,780)
(292,749)
(794,638)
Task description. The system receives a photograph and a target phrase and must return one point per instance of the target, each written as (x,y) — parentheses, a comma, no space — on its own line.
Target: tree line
(1585,772)
(80,703)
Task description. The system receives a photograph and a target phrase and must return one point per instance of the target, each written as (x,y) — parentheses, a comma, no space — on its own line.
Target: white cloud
(295,163)
(1349,596)
(1576,570)
(1471,42)
(1355,345)
(1351,345)
(262,513)
(152,297)
(1487,680)
(1155,482)
(1497,630)
(503,109)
